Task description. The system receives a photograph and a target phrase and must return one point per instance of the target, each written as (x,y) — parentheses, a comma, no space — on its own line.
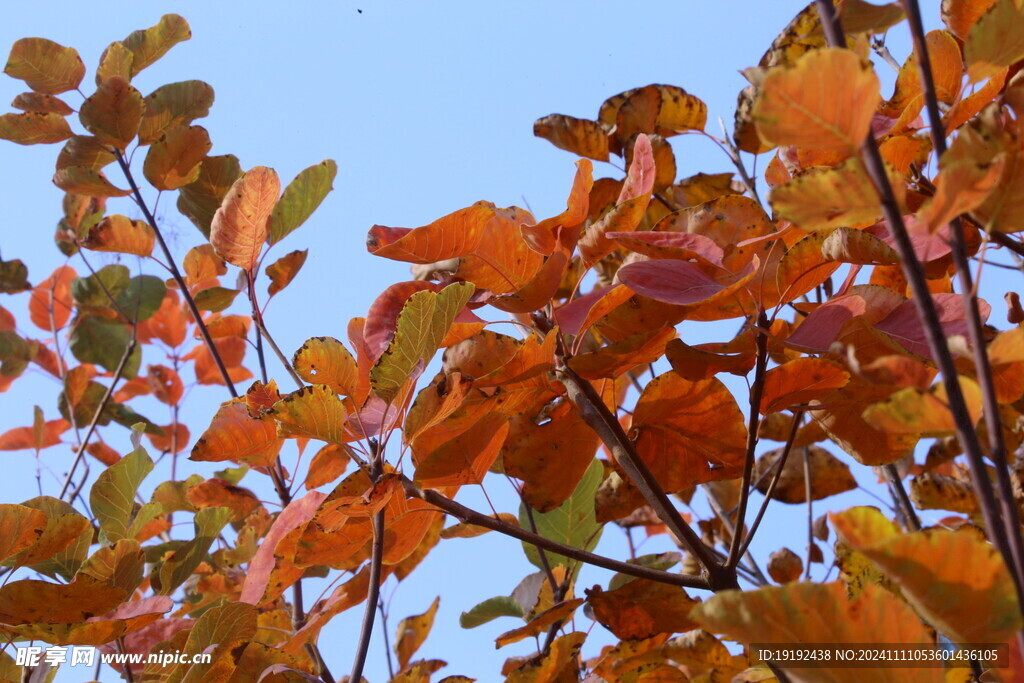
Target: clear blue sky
(427,107)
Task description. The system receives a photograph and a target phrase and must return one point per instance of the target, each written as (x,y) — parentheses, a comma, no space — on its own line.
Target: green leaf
(13,277)
(113,495)
(142,297)
(15,353)
(215,299)
(102,341)
(424,321)
(572,523)
(126,417)
(199,201)
(172,572)
(97,290)
(301,198)
(492,608)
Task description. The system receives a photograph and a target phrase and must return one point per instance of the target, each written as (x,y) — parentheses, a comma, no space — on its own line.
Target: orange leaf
(412,632)
(282,271)
(169,324)
(325,360)
(466,458)
(549,458)
(20,526)
(113,113)
(560,612)
(86,181)
(541,236)
(217,493)
(491,251)
(34,128)
(233,435)
(642,608)
(239,227)
(825,100)
(121,235)
(818,613)
(829,475)
(45,66)
(622,356)
(52,297)
(173,160)
(801,381)
(582,137)
(689,432)
(37,438)
(979,603)
(328,464)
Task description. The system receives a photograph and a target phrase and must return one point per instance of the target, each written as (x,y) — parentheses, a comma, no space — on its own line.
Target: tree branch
(176,274)
(756,392)
(470,516)
(914,273)
(376,562)
(596,414)
(118,373)
(997,446)
(780,464)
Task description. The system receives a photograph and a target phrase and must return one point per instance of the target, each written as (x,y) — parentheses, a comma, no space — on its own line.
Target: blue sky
(427,108)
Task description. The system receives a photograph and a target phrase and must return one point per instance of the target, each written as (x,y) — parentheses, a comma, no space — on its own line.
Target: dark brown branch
(596,414)
(914,273)
(376,563)
(470,516)
(903,502)
(1005,240)
(756,392)
(176,274)
(377,552)
(975,329)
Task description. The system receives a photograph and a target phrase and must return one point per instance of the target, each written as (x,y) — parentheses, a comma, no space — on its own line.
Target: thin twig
(718,509)
(387,640)
(176,274)
(118,373)
(779,465)
(808,494)
(756,392)
(470,516)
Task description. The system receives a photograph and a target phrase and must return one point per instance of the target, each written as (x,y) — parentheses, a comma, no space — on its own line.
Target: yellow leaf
(824,101)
